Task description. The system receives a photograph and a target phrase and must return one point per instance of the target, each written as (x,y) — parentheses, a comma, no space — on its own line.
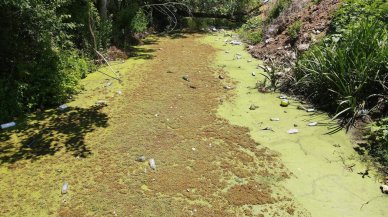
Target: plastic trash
(275,119)
(65,186)
(7,125)
(152,164)
(62,107)
(285,103)
(234,42)
(293,131)
(312,124)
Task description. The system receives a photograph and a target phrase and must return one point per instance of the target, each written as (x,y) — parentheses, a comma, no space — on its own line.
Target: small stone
(188,189)
(186,77)
(310,110)
(268,128)
(62,107)
(101,103)
(119,92)
(227,87)
(221,77)
(275,119)
(253,74)
(303,47)
(384,189)
(253,107)
(141,158)
(249,61)
(194,149)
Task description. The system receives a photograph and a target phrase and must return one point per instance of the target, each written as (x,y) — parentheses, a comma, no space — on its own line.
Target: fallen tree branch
(110,67)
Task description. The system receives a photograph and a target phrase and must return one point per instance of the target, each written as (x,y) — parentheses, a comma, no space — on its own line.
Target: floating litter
(7,125)
(312,124)
(285,103)
(152,164)
(64,188)
(275,119)
(62,107)
(293,131)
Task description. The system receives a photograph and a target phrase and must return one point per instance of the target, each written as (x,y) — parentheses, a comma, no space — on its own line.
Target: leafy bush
(349,75)
(294,30)
(352,11)
(38,66)
(251,31)
(277,8)
(139,22)
(378,140)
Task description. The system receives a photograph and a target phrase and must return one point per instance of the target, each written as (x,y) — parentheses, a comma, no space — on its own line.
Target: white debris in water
(234,42)
(293,131)
(64,188)
(62,107)
(312,124)
(152,164)
(7,125)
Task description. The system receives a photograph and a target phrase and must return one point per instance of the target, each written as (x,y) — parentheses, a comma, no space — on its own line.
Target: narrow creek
(325,167)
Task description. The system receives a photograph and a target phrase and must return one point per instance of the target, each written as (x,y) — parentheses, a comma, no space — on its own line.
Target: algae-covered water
(325,167)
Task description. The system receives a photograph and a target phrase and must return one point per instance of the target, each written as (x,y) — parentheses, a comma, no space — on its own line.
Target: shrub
(251,31)
(277,8)
(294,30)
(348,76)
(378,140)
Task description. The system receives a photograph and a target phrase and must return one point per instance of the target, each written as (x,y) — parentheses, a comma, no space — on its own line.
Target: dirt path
(204,165)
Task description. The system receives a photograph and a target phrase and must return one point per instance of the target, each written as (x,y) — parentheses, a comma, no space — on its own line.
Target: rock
(275,119)
(108,84)
(253,74)
(268,128)
(192,86)
(303,47)
(284,103)
(253,107)
(269,40)
(310,110)
(227,87)
(152,164)
(119,92)
(194,149)
(293,131)
(221,77)
(249,61)
(186,77)
(141,158)
(384,189)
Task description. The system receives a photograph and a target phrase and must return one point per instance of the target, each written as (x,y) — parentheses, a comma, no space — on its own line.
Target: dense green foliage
(294,29)
(251,31)
(349,75)
(378,140)
(277,8)
(38,66)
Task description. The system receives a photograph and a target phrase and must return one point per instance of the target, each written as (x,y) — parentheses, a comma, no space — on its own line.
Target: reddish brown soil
(316,20)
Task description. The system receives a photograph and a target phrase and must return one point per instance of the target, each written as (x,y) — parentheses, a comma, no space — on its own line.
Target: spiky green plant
(347,76)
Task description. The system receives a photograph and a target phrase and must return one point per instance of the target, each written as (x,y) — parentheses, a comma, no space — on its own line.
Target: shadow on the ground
(138,52)
(50,132)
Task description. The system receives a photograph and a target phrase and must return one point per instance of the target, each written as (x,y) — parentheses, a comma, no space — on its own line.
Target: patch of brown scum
(165,119)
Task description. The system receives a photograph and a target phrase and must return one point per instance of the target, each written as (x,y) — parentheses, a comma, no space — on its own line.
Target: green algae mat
(211,156)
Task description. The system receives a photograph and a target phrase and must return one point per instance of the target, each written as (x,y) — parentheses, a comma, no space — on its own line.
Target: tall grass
(348,76)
